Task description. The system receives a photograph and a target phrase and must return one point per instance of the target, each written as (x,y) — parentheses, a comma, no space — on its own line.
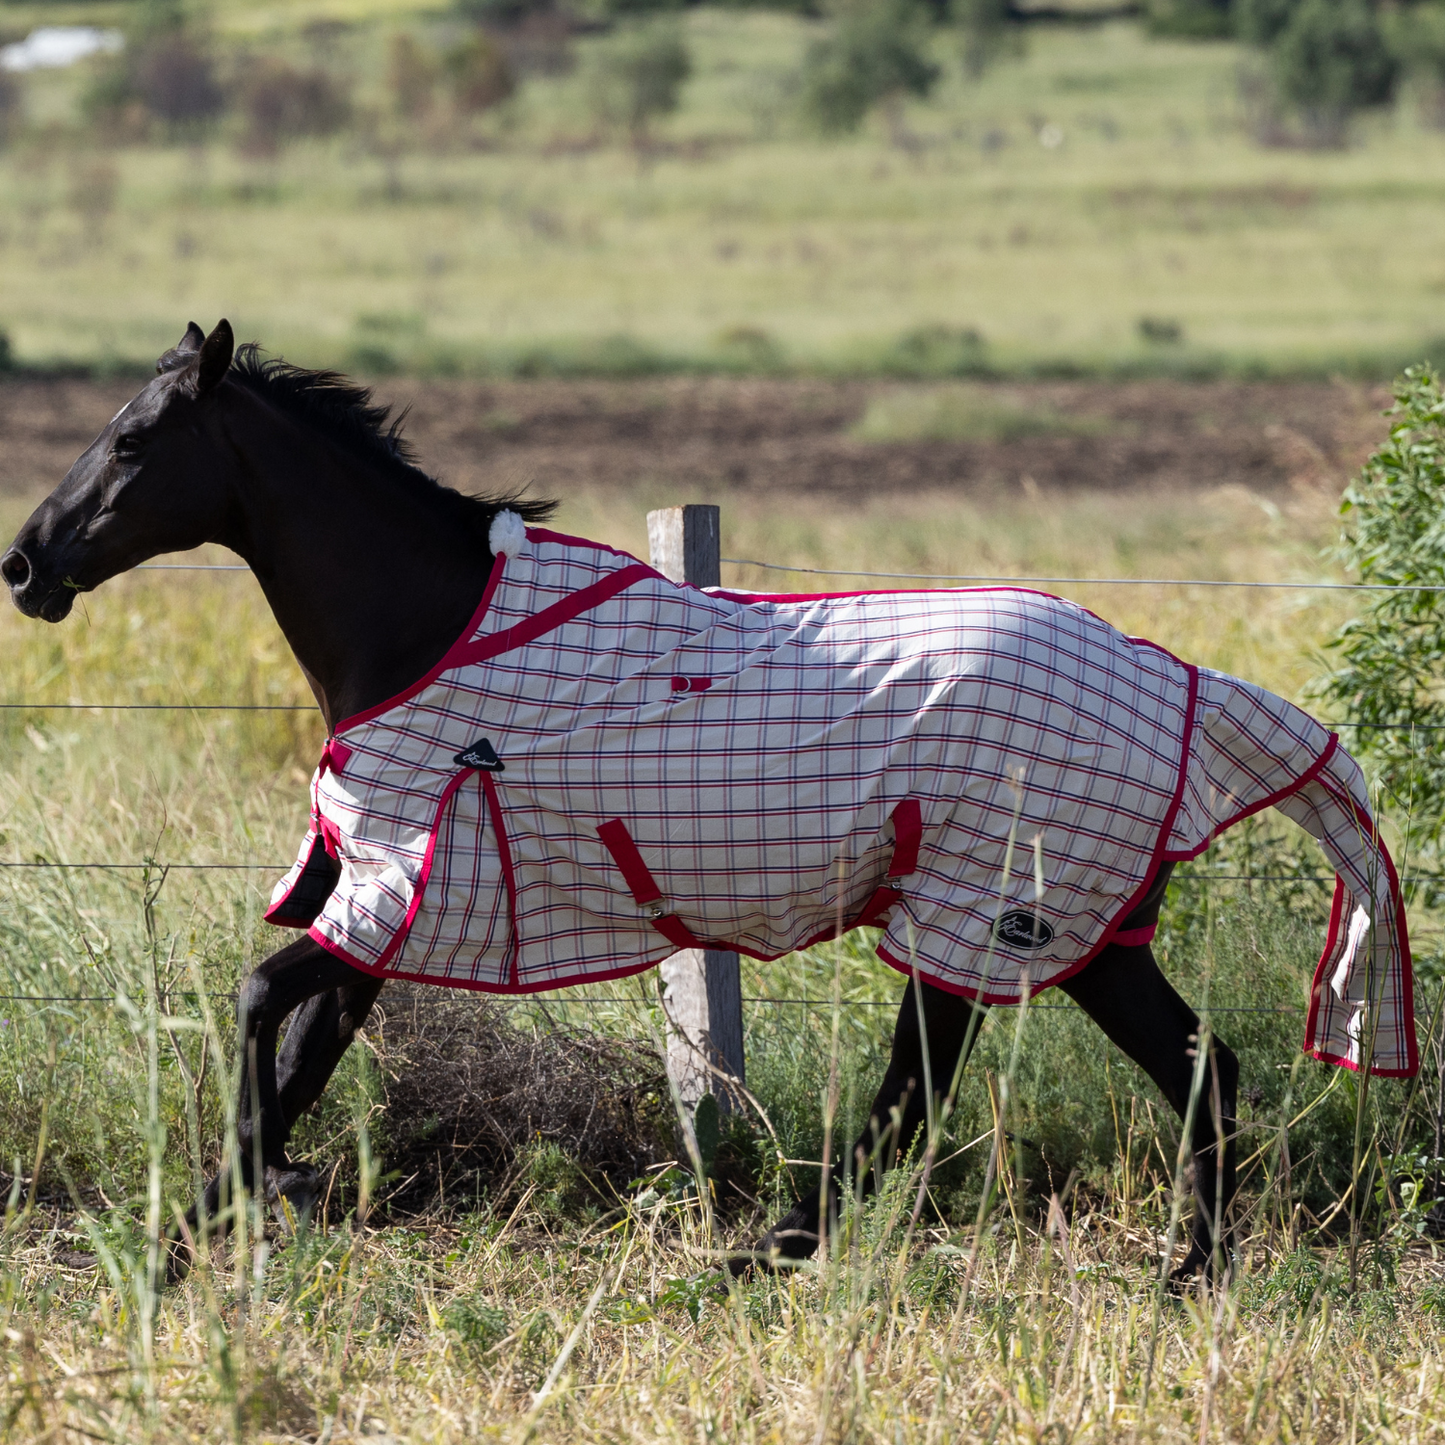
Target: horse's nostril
(15,568)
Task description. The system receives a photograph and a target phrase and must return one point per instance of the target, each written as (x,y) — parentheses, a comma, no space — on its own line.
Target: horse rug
(608,766)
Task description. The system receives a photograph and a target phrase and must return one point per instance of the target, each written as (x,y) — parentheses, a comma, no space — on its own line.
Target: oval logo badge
(1021,928)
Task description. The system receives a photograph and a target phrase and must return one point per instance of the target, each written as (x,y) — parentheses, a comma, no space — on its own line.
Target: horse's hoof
(1198,1266)
(179,1259)
(776,1252)
(292,1193)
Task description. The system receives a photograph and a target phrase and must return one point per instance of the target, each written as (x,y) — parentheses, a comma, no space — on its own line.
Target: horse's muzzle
(30,594)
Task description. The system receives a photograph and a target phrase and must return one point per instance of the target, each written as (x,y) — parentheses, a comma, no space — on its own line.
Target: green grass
(532,242)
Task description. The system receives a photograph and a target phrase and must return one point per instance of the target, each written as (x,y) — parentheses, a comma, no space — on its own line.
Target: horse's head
(145,485)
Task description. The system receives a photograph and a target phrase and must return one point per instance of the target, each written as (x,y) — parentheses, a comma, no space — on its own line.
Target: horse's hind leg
(899,1111)
(1124,993)
(340,996)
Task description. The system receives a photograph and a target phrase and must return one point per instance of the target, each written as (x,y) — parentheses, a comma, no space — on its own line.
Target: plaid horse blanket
(607,767)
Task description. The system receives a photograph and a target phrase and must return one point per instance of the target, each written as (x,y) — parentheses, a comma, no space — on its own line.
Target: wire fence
(583,999)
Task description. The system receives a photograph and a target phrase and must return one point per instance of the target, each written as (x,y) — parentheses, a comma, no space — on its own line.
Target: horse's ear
(216,353)
(182,351)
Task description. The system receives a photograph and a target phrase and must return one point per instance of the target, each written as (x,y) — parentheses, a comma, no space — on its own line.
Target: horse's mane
(346,414)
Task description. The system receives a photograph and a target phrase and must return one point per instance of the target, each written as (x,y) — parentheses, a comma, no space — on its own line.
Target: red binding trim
(504,857)
(1309,774)
(334,755)
(447,662)
(691,684)
(1136,937)
(549,617)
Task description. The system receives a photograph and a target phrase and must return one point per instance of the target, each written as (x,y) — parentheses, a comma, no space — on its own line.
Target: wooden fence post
(703,986)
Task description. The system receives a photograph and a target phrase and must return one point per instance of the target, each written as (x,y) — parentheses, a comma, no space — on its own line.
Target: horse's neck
(369,584)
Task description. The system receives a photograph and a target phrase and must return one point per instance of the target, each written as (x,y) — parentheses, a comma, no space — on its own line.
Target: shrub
(7,353)
(411,74)
(479,73)
(1259,22)
(12,106)
(1160,330)
(1391,676)
(281,104)
(1330,61)
(166,78)
(176,80)
(641,77)
(988,33)
(876,54)
(1190,19)
(1418,38)
(937,350)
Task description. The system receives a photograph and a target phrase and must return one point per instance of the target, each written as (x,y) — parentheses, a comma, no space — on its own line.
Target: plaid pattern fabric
(678,765)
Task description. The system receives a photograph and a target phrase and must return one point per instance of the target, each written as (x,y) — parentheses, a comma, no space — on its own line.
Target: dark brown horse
(372,570)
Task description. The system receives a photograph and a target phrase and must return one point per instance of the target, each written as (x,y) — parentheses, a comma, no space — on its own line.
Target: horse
(1017,717)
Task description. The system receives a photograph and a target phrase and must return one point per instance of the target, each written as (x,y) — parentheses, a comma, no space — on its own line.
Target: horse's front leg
(899,1112)
(1123,991)
(340,997)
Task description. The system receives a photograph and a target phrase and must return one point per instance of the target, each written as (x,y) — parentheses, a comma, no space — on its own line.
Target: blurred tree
(176,80)
(1191,19)
(479,73)
(1259,22)
(877,54)
(412,72)
(165,77)
(1329,62)
(281,104)
(640,77)
(989,31)
(12,107)
(1417,38)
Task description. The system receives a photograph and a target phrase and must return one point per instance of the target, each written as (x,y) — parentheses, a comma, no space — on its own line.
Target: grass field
(535,241)
(530,1306)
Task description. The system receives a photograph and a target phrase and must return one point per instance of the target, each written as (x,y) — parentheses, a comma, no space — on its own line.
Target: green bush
(988,31)
(1260,22)
(1391,678)
(877,54)
(480,75)
(282,104)
(640,77)
(1329,62)
(1190,19)
(1417,37)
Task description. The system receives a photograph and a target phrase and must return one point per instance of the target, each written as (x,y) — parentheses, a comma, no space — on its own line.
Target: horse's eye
(127,448)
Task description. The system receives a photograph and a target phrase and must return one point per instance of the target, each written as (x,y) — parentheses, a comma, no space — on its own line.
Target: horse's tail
(1362,1012)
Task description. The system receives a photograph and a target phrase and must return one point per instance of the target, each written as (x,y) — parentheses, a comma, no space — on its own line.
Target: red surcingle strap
(907,838)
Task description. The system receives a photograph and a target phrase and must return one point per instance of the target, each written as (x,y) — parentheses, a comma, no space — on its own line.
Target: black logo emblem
(481,755)
(1021,928)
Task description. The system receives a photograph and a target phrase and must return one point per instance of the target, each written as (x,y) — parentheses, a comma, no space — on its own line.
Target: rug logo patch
(482,755)
(1022,928)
